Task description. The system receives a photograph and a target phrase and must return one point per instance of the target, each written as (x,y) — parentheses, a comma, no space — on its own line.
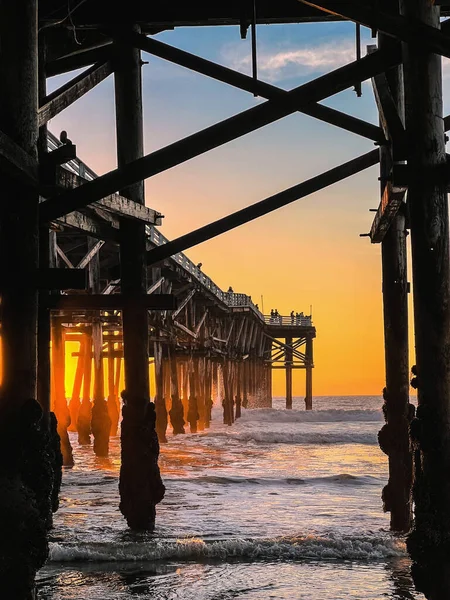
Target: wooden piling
(176,411)
(60,407)
(112,402)
(140,484)
(428,209)
(160,402)
(238,399)
(208,392)
(309,364)
(199,372)
(394,436)
(288,368)
(75,400)
(193,410)
(85,412)
(101,422)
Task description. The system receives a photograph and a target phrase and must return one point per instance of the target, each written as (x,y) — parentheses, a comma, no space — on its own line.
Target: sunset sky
(308,253)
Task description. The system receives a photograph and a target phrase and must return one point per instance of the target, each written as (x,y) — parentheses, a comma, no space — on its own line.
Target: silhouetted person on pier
(64,139)
(272,315)
(292,317)
(230,290)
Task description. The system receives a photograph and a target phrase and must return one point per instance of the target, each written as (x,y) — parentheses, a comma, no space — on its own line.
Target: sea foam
(332,546)
(272,415)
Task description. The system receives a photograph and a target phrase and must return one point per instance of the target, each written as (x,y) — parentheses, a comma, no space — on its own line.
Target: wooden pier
(86,250)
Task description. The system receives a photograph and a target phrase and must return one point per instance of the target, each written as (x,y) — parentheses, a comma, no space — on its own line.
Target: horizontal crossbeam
(78,60)
(111,302)
(263,208)
(248,84)
(394,25)
(219,134)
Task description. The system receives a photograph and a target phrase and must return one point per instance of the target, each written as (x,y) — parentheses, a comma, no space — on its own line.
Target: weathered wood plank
(391,201)
(89,225)
(74,89)
(114,203)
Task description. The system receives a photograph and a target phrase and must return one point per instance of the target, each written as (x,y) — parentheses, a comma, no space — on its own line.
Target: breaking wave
(272,415)
(297,437)
(341,479)
(361,547)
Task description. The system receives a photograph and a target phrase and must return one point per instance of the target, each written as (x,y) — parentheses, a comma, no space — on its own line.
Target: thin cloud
(288,63)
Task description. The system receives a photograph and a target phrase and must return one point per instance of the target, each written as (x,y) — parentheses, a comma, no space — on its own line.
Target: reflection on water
(281,505)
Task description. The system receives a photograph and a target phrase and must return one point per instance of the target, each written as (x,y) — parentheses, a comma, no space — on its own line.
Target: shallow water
(284,504)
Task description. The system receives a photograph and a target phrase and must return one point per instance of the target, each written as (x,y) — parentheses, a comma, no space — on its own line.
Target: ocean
(282,505)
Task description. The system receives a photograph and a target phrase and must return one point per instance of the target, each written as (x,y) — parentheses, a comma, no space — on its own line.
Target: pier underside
(82,260)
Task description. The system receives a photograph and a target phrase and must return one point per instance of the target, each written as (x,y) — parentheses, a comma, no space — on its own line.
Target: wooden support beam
(78,60)
(217,135)
(112,302)
(246,83)
(115,203)
(392,199)
(264,207)
(89,225)
(155,286)
(64,257)
(59,156)
(90,254)
(407,30)
(183,303)
(392,124)
(74,89)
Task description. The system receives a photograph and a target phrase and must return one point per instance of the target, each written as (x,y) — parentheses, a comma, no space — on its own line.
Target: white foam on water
(332,546)
(271,415)
(262,436)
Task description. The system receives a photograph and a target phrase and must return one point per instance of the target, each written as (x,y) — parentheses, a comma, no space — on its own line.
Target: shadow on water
(399,572)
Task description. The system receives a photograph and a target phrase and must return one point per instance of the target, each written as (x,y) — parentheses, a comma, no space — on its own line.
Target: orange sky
(308,253)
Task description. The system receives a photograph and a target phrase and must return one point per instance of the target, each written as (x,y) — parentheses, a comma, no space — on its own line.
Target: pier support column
(309,367)
(23,435)
(85,412)
(193,410)
(176,411)
(59,391)
(199,369)
(160,401)
(208,392)
(75,400)
(112,402)
(140,484)
(101,423)
(238,400)
(245,383)
(288,368)
(394,436)
(429,541)
(185,389)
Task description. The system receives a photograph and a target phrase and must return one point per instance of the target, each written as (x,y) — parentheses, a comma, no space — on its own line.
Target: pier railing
(158,239)
(288,320)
